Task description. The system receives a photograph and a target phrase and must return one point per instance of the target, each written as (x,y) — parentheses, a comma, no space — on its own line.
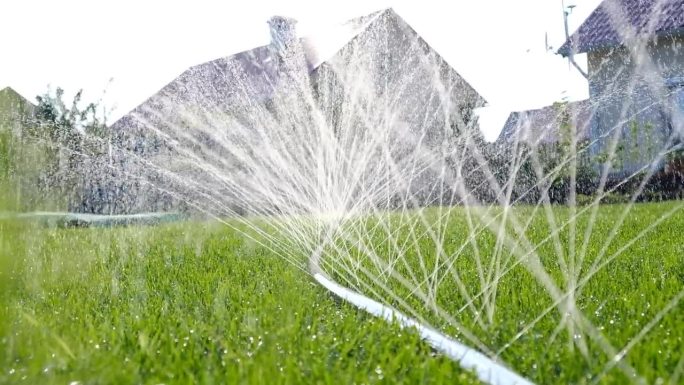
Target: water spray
(374,152)
(486,369)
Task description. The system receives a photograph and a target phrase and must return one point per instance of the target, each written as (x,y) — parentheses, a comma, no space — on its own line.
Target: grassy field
(182,304)
(193,302)
(630,290)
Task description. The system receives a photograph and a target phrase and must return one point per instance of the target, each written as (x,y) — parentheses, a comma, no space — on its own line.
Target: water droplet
(378,371)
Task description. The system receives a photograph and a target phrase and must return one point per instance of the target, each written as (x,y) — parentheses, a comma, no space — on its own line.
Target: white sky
(141,45)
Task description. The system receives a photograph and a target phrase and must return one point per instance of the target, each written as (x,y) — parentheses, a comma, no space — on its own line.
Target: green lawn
(181,304)
(194,302)
(632,299)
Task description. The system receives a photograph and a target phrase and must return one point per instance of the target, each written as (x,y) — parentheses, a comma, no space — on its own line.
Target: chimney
(283,33)
(289,52)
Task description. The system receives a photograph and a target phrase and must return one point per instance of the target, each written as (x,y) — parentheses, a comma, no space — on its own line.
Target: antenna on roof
(571,60)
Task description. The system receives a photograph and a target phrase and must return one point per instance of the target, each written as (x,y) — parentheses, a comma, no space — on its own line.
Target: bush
(584,200)
(667,183)
(608,199)
(612,198)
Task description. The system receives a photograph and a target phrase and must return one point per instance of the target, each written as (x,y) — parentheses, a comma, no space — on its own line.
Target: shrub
(612,198)
(584,200)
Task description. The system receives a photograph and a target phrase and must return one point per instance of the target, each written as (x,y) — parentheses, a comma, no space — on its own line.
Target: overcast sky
(123,51)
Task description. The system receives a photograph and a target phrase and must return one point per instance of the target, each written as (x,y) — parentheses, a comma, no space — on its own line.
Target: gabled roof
(249,76)
(256,69)
(543,126)
(606,27)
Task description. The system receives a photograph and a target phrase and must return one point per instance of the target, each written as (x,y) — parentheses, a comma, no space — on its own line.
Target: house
(548,125)
(548,137)
(635,52)
(15,110)
(351,78)
(380,43)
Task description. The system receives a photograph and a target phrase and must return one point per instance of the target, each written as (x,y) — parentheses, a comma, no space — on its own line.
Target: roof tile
(607,25)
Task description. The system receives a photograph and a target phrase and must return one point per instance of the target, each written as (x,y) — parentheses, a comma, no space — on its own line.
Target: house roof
(258,68)
(543,125)
(246,77)
(256,71)
(602,29)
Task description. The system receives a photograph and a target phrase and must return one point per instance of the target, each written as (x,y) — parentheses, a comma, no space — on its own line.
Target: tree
(74,140)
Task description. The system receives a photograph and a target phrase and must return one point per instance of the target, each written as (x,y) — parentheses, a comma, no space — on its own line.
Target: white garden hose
(487,370)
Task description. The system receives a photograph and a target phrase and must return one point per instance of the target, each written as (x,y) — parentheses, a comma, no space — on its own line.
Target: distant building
(548,125)
(635,51)
(379,51)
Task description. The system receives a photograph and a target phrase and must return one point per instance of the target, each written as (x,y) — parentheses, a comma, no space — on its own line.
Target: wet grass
(184,303)
(632,300)
(199,303)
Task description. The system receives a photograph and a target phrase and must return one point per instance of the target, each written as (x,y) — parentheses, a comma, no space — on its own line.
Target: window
(678,98)
(676,88)
(678,110)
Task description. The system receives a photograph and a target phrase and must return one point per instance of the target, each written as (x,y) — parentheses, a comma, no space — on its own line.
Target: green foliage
(638,144)
(615,198)
(15,111)
(61,123)
(666,183)
(563,159)
(584,200)
(69,140)
(606,198)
